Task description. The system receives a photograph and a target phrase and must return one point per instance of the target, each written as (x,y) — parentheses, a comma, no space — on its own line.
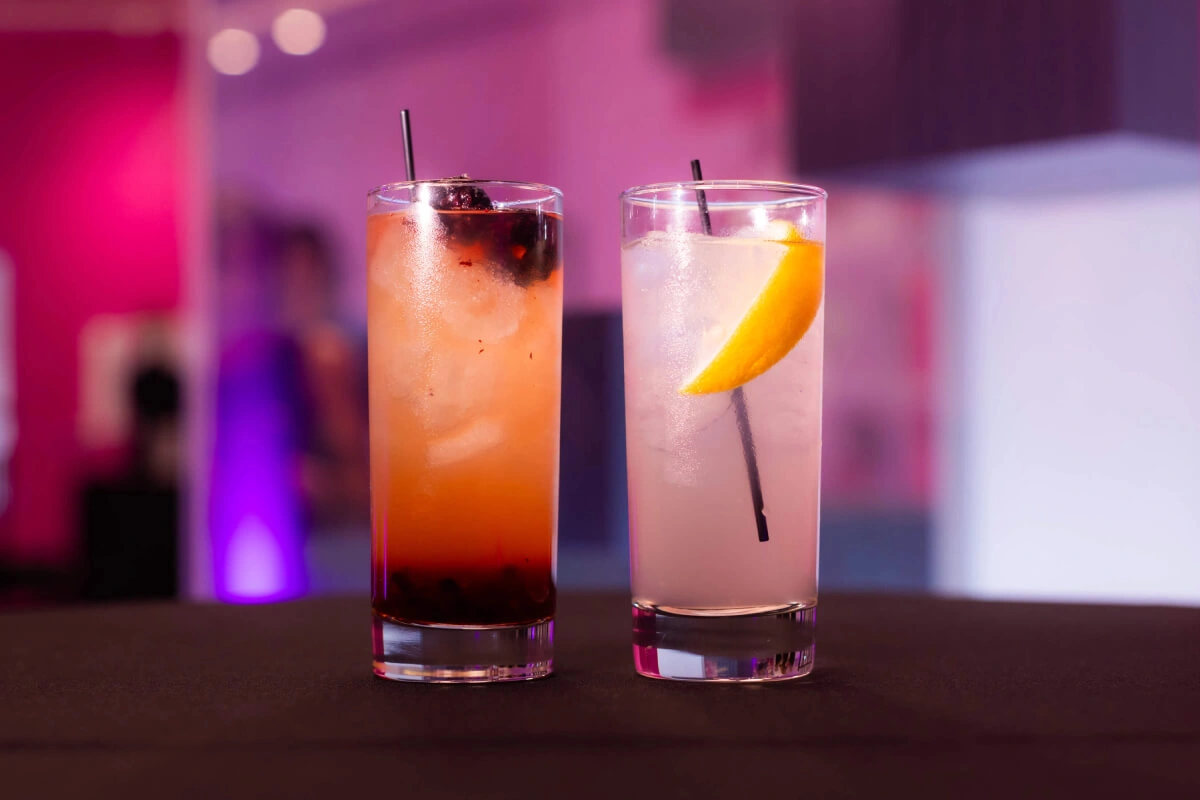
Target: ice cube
(693,427)
(789,394)
(479,436)
(404,368)
(407,249)
(681,428)
(773,230)
(479,302)
(454,387)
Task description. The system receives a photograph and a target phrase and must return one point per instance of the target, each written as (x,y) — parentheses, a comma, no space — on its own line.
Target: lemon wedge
(775,322)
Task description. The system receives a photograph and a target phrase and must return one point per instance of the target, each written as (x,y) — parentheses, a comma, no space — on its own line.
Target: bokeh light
(298,31)
(233,51)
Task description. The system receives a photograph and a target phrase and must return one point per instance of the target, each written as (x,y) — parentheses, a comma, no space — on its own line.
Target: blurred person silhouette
(290,439)
(131,523)
(255,518)
(334,472)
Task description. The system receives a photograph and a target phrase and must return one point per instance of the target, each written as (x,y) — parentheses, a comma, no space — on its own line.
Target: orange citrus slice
(776,321)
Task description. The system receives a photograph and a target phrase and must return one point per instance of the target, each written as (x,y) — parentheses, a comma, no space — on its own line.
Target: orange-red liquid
(465,354)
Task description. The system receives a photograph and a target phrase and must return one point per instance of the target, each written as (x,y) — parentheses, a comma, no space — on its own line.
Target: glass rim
(548,191)
(792,192)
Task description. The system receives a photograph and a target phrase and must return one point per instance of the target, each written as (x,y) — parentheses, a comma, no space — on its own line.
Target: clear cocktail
(723,354)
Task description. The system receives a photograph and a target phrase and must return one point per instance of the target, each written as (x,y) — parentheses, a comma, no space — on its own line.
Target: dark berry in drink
(460,197)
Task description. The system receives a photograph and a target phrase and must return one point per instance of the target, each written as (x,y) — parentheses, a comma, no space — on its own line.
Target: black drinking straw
(739,399)
(406,132)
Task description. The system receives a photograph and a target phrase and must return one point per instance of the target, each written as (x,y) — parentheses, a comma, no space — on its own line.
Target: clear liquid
(694,541)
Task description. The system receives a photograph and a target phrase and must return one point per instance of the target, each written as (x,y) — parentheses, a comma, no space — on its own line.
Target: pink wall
(89,163)
(577,95)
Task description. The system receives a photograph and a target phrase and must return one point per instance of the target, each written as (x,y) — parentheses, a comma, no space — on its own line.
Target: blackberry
(460,197)
(532,252)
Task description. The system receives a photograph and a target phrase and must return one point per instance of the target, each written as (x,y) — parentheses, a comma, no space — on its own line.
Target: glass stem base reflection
(462,653)
(772,645)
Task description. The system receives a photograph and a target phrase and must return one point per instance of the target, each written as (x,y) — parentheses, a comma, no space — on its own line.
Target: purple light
(256,522)
(254,562)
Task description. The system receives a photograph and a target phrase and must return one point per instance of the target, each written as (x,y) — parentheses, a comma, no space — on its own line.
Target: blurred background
(1013,343)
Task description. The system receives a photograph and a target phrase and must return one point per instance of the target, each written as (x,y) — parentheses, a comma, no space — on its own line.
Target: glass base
(461,653)
(774,645)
